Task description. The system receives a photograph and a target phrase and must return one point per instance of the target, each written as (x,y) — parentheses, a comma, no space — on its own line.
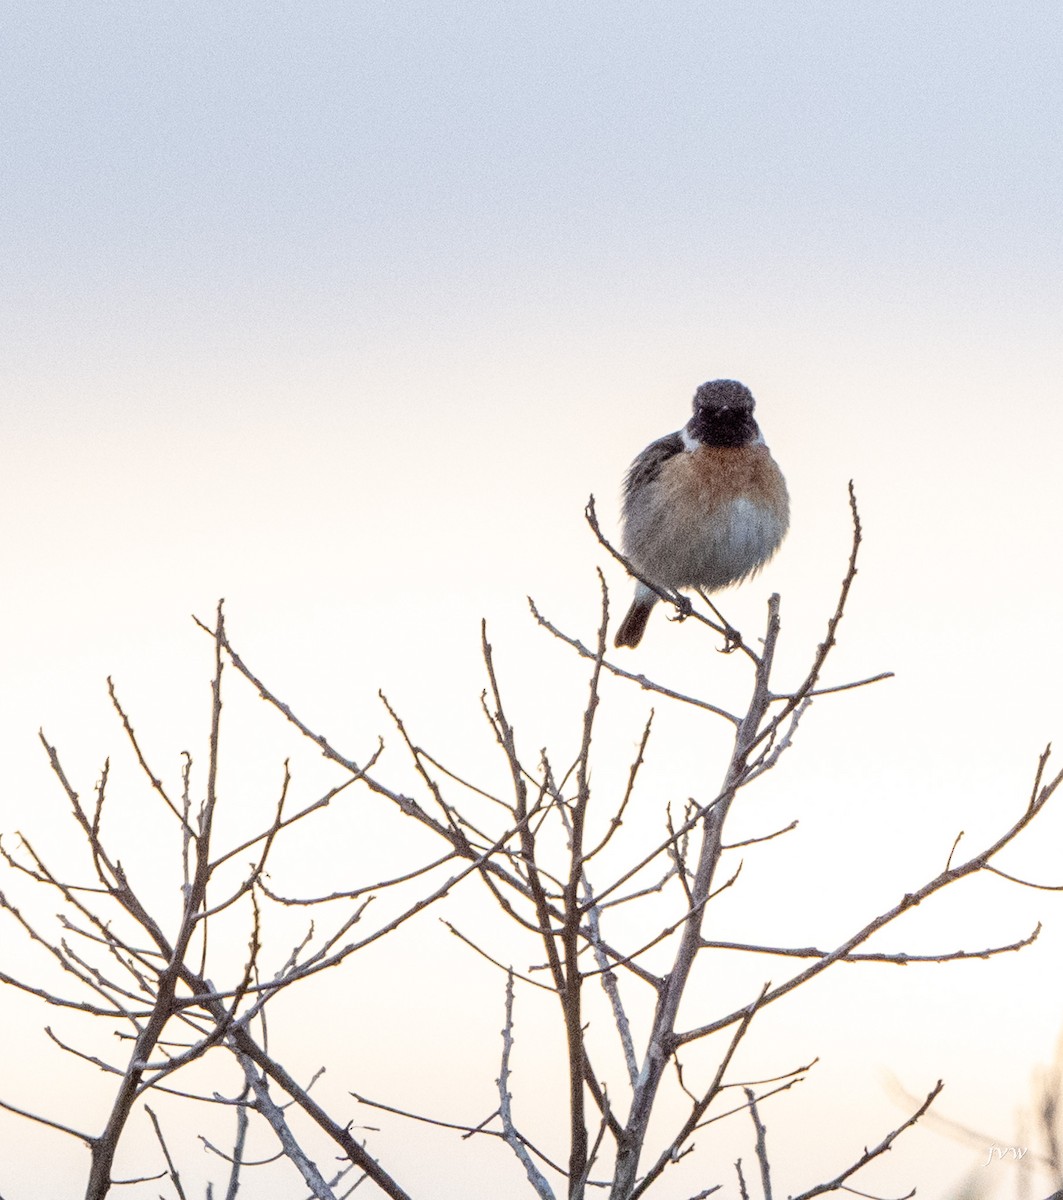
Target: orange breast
(711,477)
(713,516)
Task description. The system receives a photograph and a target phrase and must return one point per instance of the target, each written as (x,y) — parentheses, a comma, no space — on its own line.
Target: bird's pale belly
(739,537)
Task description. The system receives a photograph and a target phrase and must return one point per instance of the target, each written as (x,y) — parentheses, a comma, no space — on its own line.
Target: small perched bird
(704,507)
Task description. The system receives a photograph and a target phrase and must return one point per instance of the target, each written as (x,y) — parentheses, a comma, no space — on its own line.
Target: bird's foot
(683,607)
(732,640)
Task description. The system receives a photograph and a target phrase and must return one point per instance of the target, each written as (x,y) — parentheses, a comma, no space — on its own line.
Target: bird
(704,507)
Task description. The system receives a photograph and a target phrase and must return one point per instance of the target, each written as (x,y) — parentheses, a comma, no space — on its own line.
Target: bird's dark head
(723,414)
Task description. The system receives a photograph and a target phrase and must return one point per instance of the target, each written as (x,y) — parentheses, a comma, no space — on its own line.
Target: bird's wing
(645,469)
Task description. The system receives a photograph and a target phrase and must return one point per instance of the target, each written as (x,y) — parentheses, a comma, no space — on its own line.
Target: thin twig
(175,1177)
(901,958)
(761,1145)
(834,1184)
(505,1107)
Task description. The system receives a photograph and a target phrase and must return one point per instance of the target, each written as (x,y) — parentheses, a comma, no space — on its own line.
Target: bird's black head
(723,414)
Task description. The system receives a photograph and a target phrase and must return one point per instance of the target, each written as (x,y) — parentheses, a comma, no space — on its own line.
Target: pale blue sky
(341,310)
(184,181)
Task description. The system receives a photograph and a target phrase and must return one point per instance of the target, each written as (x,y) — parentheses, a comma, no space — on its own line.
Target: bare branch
(643,681)
(356,893)
(494,961)
(1041,887)
(795,699)
(156,783)
(505,1109)
(762,1147)
(1042,793)
(467,1131)
(901,958)
(618,818)
(171,1169)
(700,1106)
(766,837)
(612,990)
(743,1193)
(87,1138)
(275,1118)
(868,1155)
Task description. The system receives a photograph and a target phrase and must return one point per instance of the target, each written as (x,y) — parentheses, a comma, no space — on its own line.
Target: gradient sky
(342,310)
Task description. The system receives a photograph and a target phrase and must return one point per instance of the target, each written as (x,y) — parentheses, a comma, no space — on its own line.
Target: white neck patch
(691,443)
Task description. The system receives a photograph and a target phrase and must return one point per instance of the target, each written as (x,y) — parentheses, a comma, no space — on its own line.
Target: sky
(342,311)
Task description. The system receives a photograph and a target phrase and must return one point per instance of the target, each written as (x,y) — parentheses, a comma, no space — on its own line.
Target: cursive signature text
(999,1153)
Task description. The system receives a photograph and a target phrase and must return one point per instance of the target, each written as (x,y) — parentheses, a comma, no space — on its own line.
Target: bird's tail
(634,624)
